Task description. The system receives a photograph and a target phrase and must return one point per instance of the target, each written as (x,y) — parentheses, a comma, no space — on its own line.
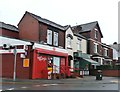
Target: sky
(67,12)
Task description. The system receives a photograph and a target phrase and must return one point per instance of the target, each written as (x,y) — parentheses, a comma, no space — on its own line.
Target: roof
(75,33)
(48,22)
(105,45)
(116,46)
(8,26)
(79,35)
(13,42)
(88,27)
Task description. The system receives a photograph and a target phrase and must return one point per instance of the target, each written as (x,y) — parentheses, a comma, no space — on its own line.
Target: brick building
(48,40)
(99,52)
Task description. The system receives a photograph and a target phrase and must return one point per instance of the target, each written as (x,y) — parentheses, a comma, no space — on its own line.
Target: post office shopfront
(49,62)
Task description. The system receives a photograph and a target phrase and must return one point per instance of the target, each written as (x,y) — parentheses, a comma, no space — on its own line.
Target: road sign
(14,51)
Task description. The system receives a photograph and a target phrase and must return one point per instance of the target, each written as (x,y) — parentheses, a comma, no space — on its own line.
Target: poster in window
(26,63)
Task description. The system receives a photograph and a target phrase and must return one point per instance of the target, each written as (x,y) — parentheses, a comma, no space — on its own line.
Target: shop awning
(91,61)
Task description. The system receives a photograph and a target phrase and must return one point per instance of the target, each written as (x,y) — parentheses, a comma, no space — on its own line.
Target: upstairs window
(96,33)
(69,40)
(79,45)
(49,37)
(95,48)
(55,43)
(105,52)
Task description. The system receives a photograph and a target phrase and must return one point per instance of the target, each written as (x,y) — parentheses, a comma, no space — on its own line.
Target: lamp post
(7,47)
(15,54)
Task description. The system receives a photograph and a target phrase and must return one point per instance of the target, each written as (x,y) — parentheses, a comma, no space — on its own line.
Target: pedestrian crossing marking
(11,89)
(49,84)
(23,87)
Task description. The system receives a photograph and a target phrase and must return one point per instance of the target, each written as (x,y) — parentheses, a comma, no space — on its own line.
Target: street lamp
(15,55)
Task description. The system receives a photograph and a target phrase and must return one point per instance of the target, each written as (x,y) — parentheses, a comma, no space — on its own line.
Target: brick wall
(9,33)
(109,73)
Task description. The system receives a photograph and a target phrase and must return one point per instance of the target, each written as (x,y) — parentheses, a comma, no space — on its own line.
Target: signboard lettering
(41,58)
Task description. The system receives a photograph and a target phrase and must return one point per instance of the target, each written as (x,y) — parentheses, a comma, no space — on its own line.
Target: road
(86,83)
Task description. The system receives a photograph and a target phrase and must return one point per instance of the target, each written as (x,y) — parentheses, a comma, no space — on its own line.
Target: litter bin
(99,75)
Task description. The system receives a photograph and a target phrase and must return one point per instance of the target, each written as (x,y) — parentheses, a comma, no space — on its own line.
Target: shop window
(56,65)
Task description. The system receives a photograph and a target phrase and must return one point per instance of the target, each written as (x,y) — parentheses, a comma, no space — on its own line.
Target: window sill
(79,50)
(69,48)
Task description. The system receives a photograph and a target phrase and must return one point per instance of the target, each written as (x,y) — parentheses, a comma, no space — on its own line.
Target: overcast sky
(64,12)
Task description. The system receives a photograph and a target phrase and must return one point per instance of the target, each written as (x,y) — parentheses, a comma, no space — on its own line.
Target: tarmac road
(86,83)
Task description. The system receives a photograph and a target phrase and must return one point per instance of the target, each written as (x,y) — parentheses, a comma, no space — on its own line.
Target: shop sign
(26,63)
(41,58)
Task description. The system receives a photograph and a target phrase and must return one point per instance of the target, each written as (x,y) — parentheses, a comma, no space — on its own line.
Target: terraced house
(99,51)
(78,59)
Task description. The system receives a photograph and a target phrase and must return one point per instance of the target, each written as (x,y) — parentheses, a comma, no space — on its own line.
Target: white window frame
(105,52)
(49,37)
(79,45)
(55,42)
(69,42)
(95,48)
(96,32)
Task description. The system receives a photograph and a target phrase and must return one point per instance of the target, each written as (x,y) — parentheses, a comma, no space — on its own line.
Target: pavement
(87,79)
(86,83)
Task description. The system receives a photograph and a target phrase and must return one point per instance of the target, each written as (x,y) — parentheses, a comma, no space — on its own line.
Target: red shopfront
(45,60)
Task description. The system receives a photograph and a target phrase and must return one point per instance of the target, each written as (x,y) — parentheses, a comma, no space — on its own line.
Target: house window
(55,39)
(105,52)
(95,48)
(69,42)
(79,45)
(96,33)
(49,37)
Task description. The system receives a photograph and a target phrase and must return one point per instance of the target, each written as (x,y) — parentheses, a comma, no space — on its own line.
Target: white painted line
(23,87)
(49,84)
(11,89)
(0,90)
(53,84)
(45,85)
(37,85)
(115,81)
